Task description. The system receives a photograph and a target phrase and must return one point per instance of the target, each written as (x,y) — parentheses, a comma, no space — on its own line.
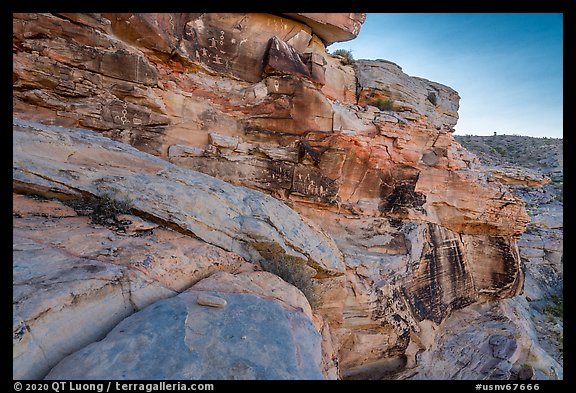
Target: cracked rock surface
(62,302)
(252,337)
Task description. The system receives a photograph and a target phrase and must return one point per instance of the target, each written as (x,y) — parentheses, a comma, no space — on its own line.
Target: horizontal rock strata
(193,202)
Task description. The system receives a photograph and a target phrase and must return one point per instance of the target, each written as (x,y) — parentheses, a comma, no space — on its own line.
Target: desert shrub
(293,271)
(384,105)
(348,59)
(106,208)
(501,150)
(555,307)
(101,210)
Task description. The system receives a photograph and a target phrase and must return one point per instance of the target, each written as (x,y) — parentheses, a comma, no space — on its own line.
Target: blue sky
(507,68)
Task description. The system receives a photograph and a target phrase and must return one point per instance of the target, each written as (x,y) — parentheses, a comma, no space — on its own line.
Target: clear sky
(507,68)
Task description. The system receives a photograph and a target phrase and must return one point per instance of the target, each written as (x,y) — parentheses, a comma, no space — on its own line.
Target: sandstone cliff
(534,169)
(237,138)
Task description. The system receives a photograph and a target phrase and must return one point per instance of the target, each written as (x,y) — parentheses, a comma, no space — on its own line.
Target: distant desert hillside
(544,154)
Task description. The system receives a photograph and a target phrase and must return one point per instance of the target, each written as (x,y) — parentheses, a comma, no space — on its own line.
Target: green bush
(293,271)
(384,105)
(556,307)
(348,59)
(501,150)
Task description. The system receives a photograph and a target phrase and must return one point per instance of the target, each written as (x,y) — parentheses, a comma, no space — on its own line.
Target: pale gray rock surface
(74,280)
(253,337)
(411,94)
(534,168)
(477,342)
(62,302)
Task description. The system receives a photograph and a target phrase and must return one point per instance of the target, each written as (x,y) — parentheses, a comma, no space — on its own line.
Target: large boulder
(332,26)
(249,326)
(484,341)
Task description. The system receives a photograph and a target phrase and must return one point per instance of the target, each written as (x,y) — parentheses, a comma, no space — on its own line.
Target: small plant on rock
(107,207)
(104,209)
(347,58)
(556,307)
(384,105)
(293,271)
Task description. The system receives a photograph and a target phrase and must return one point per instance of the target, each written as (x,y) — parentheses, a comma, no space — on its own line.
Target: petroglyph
(121,116)
(217,59)
(123,119)
(214,46)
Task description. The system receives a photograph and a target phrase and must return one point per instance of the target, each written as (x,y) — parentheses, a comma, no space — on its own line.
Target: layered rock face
(394,216)
(382,79)
(534,169)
